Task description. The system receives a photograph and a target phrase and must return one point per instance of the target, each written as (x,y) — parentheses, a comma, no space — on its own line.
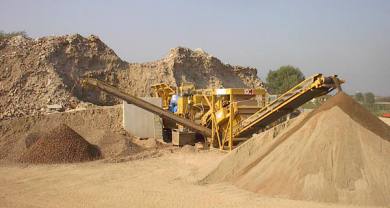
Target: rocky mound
(339,153)
(60,145)
(47,71)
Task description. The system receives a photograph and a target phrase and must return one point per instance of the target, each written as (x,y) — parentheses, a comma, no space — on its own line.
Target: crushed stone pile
(61,145)
(339,153)
(39,76)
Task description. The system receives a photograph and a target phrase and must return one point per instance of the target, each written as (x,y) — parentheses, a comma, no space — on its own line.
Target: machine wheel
(167,135)
(215,143)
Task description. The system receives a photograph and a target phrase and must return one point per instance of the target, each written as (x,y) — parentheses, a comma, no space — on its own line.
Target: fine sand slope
(339,153)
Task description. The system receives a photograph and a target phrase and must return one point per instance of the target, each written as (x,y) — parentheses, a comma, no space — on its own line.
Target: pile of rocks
(37,74)
(61,145)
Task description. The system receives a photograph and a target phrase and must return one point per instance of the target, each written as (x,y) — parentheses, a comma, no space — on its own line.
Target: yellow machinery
(228,107)
(165,92)
(234,114)
(225,116)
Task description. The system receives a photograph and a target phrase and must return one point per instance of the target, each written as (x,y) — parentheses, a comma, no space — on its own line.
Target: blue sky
(344,37)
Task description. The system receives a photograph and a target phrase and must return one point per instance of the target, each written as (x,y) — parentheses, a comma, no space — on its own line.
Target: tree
(369,98)
(4,35)
(359,97)
(281,80)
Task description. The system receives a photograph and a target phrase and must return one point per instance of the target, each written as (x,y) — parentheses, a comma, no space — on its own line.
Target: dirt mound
(60,145)
(116,145)
(18,134)
(339,153)
(35,74)
(42,72)
(358,113)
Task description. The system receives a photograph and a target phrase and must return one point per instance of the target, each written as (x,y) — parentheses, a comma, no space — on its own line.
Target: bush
(283,79)
(4,35)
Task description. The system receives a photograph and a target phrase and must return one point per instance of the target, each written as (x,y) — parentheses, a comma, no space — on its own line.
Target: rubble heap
(61,145)
(37,76)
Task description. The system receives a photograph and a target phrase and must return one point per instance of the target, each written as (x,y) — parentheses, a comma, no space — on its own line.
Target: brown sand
(158,182)
(358,113)
(16,135)
(61,145)
(339,153)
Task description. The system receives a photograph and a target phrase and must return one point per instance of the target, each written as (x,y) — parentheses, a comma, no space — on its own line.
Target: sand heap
(47,71)
(60,145)
(339,153)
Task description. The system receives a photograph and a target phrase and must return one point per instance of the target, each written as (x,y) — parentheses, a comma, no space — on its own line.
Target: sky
(344,37)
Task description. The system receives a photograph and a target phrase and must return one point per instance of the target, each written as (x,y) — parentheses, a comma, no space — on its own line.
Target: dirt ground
(167,181)
(155,175)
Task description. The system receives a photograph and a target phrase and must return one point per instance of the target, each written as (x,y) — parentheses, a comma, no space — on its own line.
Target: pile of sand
(339,153)
(60,145)
(116,145)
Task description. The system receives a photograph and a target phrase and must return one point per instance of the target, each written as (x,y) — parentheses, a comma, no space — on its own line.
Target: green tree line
(283,79)
(4,35)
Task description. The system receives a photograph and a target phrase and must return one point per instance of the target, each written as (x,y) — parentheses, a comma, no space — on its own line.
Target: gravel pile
(60,145)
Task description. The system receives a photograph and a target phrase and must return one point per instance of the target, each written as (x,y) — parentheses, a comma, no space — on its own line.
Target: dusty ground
(157,176)
(167,181)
